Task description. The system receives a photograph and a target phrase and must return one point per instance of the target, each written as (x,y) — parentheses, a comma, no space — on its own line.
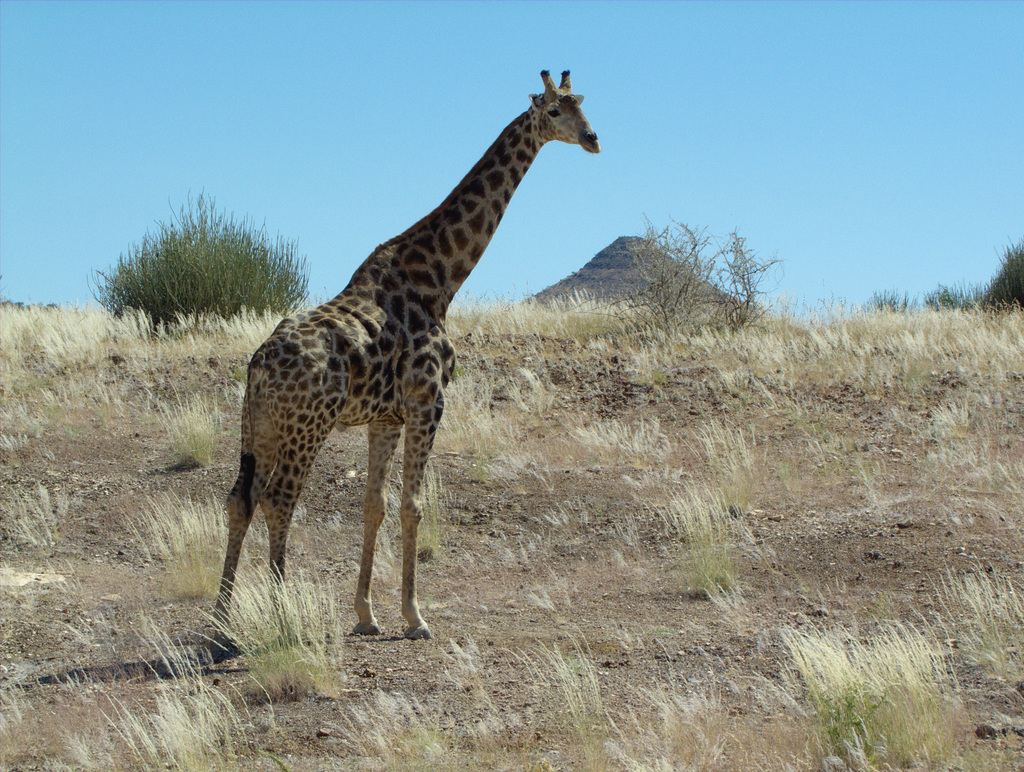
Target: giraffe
(377,355)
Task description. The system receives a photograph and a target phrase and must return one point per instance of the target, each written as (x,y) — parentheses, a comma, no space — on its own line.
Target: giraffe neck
(437,254)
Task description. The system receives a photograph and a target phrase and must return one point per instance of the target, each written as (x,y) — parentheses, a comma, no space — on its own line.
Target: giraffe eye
(553,112)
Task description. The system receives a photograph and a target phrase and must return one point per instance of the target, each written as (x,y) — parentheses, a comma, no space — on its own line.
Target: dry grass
(875,350)
(577,318)
(181,724)
(33,522)
(885,699)
(192,728)
(435,516)
(731,455)
(188,538)
(691,728)
(192,725)
(530,394)
(470,424)
(703,522)
(291,632)
(638,444)
(397,733)
(193,428)
(73,732)
(573,675)
(986,613)
(81,336)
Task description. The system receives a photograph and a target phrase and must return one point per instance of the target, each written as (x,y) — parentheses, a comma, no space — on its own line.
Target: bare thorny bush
(686,278)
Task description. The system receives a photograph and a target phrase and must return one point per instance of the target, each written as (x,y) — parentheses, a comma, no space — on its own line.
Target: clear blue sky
(868,145)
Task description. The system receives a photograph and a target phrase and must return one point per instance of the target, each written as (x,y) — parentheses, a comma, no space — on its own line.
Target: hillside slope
(609,274)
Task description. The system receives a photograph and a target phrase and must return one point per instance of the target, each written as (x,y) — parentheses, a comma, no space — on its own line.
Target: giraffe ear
(537,99)
(578,98)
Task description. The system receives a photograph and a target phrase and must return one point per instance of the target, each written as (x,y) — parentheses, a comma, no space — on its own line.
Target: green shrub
(204,263)
(891,300)
(1007,288)
(963,296)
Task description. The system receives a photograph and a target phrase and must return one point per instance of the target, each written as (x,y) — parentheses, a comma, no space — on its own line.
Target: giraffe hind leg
(241,505)
(282,494)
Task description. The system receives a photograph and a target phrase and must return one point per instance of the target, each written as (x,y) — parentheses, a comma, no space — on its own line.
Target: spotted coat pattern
(377,355)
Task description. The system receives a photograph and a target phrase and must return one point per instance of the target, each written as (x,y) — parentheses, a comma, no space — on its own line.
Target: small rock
(986,732)
(323,732)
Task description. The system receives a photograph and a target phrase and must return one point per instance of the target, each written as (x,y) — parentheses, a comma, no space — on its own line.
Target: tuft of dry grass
(72,733)
(34,522)
(193,725)
(470,425)
(987,613)
(435,516)
(530,394)
(184,723)
(701,519)
(291,632)
(685,728)
(192,728)
(188,538)
(398,733)
(193,428)
(731,457)
(467,671)
(885,699)
(573,675)
(637,444)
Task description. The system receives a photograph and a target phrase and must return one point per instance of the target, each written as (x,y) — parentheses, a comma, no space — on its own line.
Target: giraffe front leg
(383,439)
(418,441)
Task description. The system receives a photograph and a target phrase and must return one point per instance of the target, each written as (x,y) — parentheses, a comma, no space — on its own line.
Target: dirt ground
(553,550)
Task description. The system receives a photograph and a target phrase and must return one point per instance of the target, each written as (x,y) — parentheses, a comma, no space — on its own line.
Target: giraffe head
(559,115)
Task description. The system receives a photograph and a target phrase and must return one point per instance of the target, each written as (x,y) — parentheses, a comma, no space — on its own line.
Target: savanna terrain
(796,546)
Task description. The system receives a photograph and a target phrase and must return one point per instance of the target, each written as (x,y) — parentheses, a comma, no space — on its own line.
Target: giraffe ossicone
(377,355)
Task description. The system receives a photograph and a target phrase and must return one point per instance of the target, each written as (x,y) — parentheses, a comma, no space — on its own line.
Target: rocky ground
(851,510)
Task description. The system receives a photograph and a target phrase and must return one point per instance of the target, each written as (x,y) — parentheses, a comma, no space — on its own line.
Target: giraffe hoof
(419,633)
(366,628)
(223,646)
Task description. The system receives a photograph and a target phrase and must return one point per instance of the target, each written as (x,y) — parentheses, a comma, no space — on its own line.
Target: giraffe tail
(245,477)
(243,489)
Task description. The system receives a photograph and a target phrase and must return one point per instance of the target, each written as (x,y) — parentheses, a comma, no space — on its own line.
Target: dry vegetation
(794,546)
